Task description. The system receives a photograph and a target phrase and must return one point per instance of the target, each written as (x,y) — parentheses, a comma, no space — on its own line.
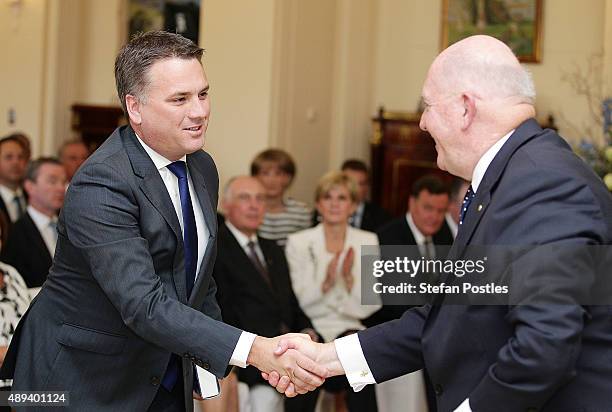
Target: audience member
(31,244)
(458,190)
(424,227)
(14,301)
(325,269)
(275,169)
(254,287)
(72,154)
(13,162)
(368,215)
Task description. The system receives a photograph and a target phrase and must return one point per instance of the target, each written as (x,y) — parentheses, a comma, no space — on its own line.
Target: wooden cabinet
(95,123)
(400,153)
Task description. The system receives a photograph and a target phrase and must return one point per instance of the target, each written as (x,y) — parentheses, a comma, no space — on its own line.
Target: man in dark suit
(549,348)
(31,244)
(368,215)
(128,310)
(13,163)
(254,286)
(423,228)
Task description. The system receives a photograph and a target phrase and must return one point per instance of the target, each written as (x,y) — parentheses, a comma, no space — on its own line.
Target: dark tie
(18,204)
(190,240)
(427,248)
(190,233)
(469,196)
(257,262)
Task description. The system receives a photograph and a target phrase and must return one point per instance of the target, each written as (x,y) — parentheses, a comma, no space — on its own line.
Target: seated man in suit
(13,163)
(423,226)
(31,244)
(368,216)
(254,286)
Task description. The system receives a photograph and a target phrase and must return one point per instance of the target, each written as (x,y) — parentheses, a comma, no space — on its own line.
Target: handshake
(293,363)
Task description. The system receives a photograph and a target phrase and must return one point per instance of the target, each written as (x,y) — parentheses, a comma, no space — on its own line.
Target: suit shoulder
(392,226)
(364,236)
(303,235)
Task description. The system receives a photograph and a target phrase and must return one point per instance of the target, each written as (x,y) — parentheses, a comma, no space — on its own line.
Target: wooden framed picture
(174,16)
(518,23)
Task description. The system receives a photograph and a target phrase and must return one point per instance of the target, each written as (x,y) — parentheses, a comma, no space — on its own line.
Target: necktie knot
(179,169)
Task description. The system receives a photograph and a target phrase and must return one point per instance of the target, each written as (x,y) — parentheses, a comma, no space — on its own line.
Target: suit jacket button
(155,380)
(438,389)
(206,365)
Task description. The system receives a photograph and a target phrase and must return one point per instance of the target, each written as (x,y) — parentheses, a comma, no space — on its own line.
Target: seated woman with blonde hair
(325,268)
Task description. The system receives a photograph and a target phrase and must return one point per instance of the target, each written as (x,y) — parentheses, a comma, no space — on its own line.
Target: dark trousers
(170,401)
(302,403)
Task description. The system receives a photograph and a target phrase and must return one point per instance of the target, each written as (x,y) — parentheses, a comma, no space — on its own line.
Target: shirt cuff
(464,407)
(242,349)
(354,362)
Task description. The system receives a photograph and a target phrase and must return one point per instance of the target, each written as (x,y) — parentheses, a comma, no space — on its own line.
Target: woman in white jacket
(325,266)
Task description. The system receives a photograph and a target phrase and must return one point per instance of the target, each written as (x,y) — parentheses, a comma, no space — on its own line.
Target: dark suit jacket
(373,217)
(246,299)
(398,232)
(114,306)
(5,220)
(554,358)
(26,250)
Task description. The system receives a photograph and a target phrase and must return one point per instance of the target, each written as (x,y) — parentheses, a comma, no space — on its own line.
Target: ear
(132,105)
(469,110)
(27,186)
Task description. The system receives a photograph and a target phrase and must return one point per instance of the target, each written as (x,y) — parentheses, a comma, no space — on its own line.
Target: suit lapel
(155,190)
(523,133)
(210,219)
(36,237)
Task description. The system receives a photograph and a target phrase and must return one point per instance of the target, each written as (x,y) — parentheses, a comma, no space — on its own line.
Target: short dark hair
(355,164)
(278,157)
(35,165)
(139,54)
(16,138)
(432,183)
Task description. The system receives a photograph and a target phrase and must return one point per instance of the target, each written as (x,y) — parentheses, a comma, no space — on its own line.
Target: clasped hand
(297,364)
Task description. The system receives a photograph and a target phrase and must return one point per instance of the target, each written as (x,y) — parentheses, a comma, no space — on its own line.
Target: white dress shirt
(8,196)
(243,347)
(243,241)
(357,217)
(349,348)
(47,226)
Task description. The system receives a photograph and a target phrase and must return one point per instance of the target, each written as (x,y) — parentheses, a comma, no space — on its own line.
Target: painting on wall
(515,22)
(175,16)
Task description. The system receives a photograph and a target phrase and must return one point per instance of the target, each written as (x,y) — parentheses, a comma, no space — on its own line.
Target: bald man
(550,347)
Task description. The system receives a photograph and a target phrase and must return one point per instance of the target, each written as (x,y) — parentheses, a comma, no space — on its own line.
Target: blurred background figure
(14,301)
(368,215)
(254,287)
(325,267)
(13,163)
(458,190)
(275,169)
(31,244)
(72,154)
(423,226)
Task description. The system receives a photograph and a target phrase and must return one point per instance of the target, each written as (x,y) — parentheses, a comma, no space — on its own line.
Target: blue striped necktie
(469,196)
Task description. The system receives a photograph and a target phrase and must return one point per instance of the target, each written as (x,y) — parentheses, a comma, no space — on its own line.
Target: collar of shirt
(242,239)
(486,159)
(418,236)
(10,194)
(158,160)
(40,219)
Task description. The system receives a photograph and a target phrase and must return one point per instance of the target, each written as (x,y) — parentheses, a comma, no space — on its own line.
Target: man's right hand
(324,355)
(300,372)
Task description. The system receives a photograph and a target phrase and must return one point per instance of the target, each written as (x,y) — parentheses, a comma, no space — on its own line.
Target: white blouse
(337,310)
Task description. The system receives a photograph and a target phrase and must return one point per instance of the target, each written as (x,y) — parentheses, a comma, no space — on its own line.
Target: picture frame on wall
(174,16)
(518,23)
